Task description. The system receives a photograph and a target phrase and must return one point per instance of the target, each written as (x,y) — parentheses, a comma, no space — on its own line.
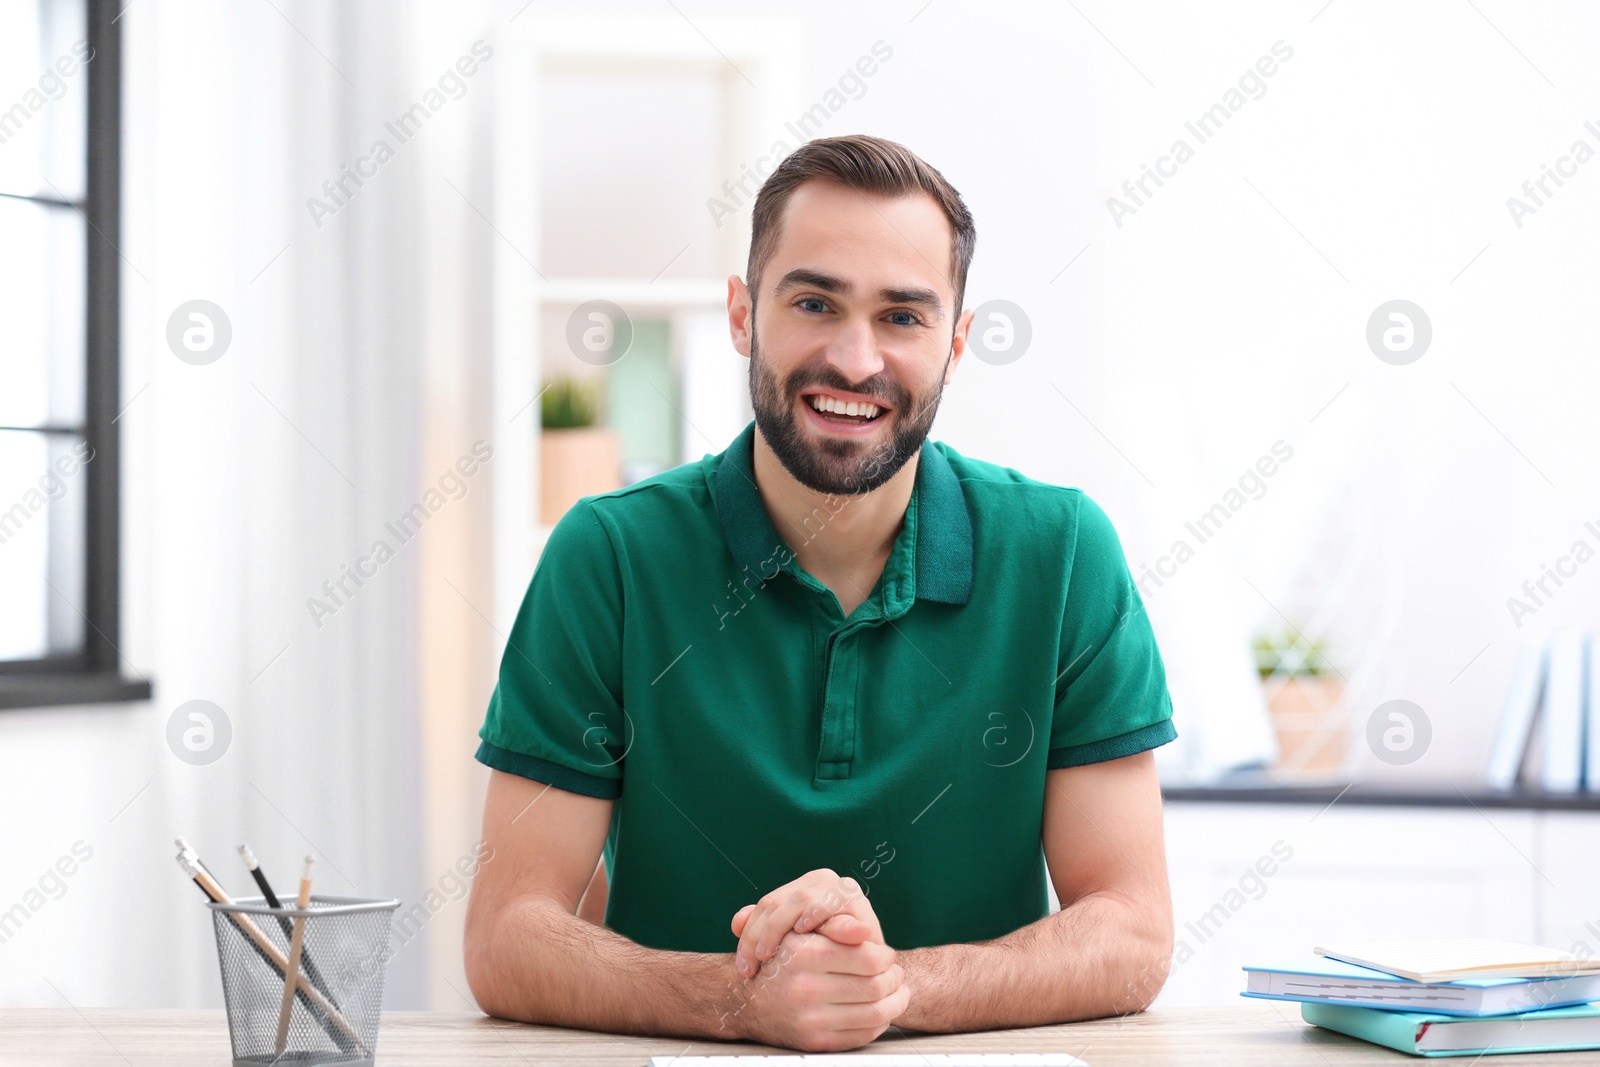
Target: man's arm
(592,908)
(530,957)
(1106,952)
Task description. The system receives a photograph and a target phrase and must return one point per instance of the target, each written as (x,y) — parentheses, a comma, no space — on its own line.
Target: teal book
(1550,1030)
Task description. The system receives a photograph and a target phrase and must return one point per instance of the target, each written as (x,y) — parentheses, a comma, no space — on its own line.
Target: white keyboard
(868,1059)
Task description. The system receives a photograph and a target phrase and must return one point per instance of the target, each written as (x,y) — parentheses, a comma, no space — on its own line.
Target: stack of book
(1462,997)
(1549,733)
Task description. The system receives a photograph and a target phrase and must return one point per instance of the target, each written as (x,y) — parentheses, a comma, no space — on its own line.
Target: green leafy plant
(1280,652)
(569,404)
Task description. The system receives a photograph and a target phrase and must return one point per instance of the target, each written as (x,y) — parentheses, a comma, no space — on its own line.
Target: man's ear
(741,314)
(958,344)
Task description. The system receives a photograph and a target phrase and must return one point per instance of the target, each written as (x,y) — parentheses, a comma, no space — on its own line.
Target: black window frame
(93,675)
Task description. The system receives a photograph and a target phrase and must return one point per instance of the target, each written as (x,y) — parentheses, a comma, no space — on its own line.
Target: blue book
(1321,978)
(1432,1034)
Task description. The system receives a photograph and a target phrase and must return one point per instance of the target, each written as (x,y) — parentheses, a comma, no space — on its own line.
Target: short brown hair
(871,165)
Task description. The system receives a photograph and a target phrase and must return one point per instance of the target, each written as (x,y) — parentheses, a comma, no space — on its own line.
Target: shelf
(1434,795)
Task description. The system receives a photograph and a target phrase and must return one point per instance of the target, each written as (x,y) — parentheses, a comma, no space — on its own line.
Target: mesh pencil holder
(333,1020)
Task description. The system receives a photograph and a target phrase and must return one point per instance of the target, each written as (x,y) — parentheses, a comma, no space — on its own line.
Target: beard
(839,466)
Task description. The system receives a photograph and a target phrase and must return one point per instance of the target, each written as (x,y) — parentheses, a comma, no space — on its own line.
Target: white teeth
(839,407)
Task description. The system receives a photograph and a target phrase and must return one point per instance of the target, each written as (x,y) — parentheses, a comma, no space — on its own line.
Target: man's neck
(842,541)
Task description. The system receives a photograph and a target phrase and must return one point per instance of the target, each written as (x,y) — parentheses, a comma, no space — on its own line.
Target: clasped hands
(819,977)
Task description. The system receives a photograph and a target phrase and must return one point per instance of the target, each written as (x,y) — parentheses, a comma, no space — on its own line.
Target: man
(833,698)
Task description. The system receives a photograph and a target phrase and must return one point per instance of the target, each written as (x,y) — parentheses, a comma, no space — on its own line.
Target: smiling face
(857,331)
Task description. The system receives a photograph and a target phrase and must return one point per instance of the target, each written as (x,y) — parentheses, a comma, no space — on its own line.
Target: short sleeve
(1111,696)
(556,714)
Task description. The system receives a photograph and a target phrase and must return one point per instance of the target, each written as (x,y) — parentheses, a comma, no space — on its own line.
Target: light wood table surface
(1250,1034)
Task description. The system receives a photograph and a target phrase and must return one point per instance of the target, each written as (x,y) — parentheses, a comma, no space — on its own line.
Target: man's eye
(805,302)
(915,319)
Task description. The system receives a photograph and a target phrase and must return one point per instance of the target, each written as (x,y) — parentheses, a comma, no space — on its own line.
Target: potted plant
(1305,697)
(577,458)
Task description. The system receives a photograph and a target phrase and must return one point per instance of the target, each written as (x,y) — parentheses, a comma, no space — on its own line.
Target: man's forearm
(1103,955)
(541,964)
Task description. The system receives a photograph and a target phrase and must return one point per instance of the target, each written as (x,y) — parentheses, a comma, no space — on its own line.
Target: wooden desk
(1250,1034)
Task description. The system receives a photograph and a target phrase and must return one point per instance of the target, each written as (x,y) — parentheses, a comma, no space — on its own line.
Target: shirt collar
(937,518)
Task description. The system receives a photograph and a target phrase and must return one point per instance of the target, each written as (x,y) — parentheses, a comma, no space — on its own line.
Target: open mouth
(844,412)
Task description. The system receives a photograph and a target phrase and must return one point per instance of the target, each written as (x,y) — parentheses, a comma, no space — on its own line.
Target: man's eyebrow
(802,277)
(921,297)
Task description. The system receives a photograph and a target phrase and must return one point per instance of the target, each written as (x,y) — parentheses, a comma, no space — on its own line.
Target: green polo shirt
(672,655)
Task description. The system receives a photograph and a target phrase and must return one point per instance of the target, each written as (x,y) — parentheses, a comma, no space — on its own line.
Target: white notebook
(1562,768)
(868,1059)
(1451,959)
(1591,722)
(1516,720)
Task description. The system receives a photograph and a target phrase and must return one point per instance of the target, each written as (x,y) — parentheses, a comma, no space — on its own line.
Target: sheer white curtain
(250,482)
(256,479)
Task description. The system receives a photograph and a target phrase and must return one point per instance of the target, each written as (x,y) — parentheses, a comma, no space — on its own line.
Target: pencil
(332,1019)
(185,847)
(271,898)
(262,884)
(296,945)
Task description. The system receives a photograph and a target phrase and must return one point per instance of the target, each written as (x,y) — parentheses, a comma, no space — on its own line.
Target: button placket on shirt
(836,748)
(841,660)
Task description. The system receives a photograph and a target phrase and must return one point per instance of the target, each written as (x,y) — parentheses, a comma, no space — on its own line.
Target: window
(60,75)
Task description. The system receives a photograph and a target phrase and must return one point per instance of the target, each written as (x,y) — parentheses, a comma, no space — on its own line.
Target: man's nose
(853,352)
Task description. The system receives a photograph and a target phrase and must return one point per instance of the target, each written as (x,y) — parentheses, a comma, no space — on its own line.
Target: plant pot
(1309,719)
(575,464)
